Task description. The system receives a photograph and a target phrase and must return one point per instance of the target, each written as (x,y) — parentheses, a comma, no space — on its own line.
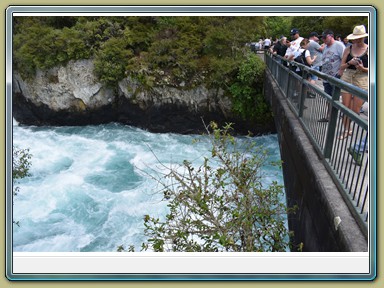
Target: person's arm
(321,47)
(308,57)
(287,53)
(344,65)
(291,56)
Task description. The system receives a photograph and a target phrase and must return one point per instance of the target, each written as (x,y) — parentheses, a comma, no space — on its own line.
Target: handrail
(346,159)
(333,80)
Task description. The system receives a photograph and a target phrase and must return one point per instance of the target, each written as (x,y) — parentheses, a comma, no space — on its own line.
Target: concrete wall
(309,186)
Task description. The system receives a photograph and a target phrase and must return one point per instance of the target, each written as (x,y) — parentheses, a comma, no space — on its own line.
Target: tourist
(276,40)
(355,66)
(253,46)
(261,43)
(280,47)
(294,46)
(293,49)
(332,55)
(305,55)
(315,50)
(267,43)
(346,42)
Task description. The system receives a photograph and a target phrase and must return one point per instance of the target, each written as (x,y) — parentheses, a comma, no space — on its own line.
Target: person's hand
(354,61)
(359,65)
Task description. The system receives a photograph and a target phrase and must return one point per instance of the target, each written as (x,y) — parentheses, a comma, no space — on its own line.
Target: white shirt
(296,43)
(294,48)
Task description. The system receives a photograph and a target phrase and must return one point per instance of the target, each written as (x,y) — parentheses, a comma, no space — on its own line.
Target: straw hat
(358,32)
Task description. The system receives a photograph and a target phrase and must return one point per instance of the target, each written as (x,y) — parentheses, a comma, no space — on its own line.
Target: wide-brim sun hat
(358,32)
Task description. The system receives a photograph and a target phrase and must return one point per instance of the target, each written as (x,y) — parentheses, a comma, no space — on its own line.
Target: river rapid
(89,189)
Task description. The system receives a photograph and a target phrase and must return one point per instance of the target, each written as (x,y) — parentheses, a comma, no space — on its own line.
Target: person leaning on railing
(354,70)
(280,48)
(332,56)
(293,46)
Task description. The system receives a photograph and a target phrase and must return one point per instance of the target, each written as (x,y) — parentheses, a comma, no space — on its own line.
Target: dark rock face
(28,113)
(76,98)
(180,119)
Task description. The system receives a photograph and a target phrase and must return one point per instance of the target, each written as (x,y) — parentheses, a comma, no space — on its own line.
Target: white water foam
(89,188)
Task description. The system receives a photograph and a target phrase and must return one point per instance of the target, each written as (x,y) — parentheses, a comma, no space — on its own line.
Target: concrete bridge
(329,187)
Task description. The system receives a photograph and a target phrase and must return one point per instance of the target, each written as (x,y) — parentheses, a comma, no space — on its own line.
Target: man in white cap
(293,50)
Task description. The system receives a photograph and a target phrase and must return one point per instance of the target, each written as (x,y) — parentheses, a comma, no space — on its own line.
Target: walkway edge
(308,184)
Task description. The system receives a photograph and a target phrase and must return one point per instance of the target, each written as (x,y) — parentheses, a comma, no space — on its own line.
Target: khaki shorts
(355,77)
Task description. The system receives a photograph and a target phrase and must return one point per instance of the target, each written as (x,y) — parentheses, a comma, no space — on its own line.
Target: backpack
(302,60)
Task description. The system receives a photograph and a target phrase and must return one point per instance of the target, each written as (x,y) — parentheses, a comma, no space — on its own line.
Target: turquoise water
(89,188)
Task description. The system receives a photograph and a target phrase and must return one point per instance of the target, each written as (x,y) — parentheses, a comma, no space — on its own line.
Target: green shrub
(247,90)
(227,208)
(21,163)
(112,59)
(156,50)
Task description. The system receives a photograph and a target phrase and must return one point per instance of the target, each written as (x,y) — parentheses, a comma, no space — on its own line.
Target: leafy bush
(21,162)
(227,208)
(171,43)
(112,58)
(247,91)
(155,50)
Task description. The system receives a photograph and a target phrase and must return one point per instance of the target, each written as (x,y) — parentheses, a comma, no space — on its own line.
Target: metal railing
(345,158)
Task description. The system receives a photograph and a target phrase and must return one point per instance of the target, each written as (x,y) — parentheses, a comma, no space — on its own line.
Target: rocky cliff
(72,95)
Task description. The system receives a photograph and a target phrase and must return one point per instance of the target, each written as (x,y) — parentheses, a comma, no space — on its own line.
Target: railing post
(332,123)
(302,93)
(341,163)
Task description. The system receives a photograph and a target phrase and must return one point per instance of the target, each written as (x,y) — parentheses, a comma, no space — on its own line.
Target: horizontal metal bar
(342,164)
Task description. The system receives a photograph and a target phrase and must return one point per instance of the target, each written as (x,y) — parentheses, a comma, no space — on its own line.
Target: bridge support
(323,222)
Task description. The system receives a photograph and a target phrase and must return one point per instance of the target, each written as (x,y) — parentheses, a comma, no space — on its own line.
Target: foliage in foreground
(21,162)
(220,206)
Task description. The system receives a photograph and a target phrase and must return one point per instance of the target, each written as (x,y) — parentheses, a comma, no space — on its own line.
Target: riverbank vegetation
(178,51)
(223,205)
(21,163)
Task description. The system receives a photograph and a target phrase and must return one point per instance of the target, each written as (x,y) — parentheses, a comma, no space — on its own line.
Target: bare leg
(348,102)
(356,104)
(312,81)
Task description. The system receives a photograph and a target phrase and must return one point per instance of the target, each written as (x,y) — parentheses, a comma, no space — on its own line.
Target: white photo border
(199,266)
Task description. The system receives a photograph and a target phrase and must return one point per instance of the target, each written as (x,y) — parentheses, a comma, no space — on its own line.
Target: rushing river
(88,189)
